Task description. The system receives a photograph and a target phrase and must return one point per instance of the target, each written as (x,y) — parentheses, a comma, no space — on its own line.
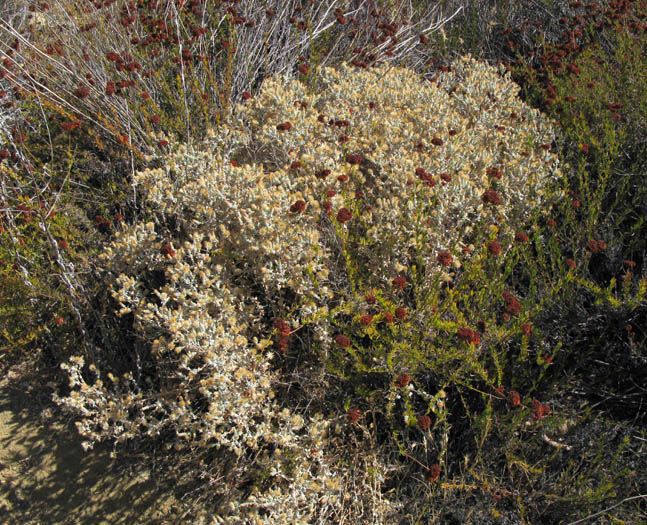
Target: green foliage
(592,90)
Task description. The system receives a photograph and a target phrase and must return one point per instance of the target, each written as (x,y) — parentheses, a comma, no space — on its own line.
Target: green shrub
(588,82)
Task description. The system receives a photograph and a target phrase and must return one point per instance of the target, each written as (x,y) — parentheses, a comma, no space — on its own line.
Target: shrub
(269,229)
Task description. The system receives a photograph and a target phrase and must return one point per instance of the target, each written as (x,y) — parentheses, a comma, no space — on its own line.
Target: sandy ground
(46,477)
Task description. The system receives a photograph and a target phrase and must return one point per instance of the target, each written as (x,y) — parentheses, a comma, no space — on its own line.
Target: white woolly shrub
(303,203)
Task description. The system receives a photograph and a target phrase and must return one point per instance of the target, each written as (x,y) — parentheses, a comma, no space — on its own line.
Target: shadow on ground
(46,477)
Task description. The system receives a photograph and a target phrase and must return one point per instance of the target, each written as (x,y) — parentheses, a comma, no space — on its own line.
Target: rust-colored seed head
(444,258)
(402,380)
(298,207)
(514,398)
(344,215)
(424,422)
(342,340)
(353,415)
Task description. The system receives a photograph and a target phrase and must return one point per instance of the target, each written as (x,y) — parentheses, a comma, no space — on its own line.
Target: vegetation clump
(270,229)
(322,263)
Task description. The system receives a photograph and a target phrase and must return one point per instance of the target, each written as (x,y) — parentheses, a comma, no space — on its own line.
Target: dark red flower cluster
(512,305)
(491,197)
(570,263)
(296,165)
(402,380)
(388,317)
(494,172)
(370,299)
(525,329)
(425,177)
(400,313)
(70,126)
(246,95)
(399,282)
(114,57)
(167,250)
(342,340)
(339,123)
(304,69)
(514,398)
(436,141)
(283,332)
(82,91)
(444,258)
(424,422)
(630,331)
(354,158)
(366,319)
(104,225)
(596,246)
(521,237)
(353,415)
(298,207)
(538,410)
(322,174)
(445,177)
(284,126)
(468,335)
(344,215)
(494,247)
(434,473)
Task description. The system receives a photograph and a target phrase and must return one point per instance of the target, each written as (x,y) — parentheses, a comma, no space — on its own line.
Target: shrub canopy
(296,209)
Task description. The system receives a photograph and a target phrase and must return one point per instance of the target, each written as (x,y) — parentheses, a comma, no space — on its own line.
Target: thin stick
(607,510)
